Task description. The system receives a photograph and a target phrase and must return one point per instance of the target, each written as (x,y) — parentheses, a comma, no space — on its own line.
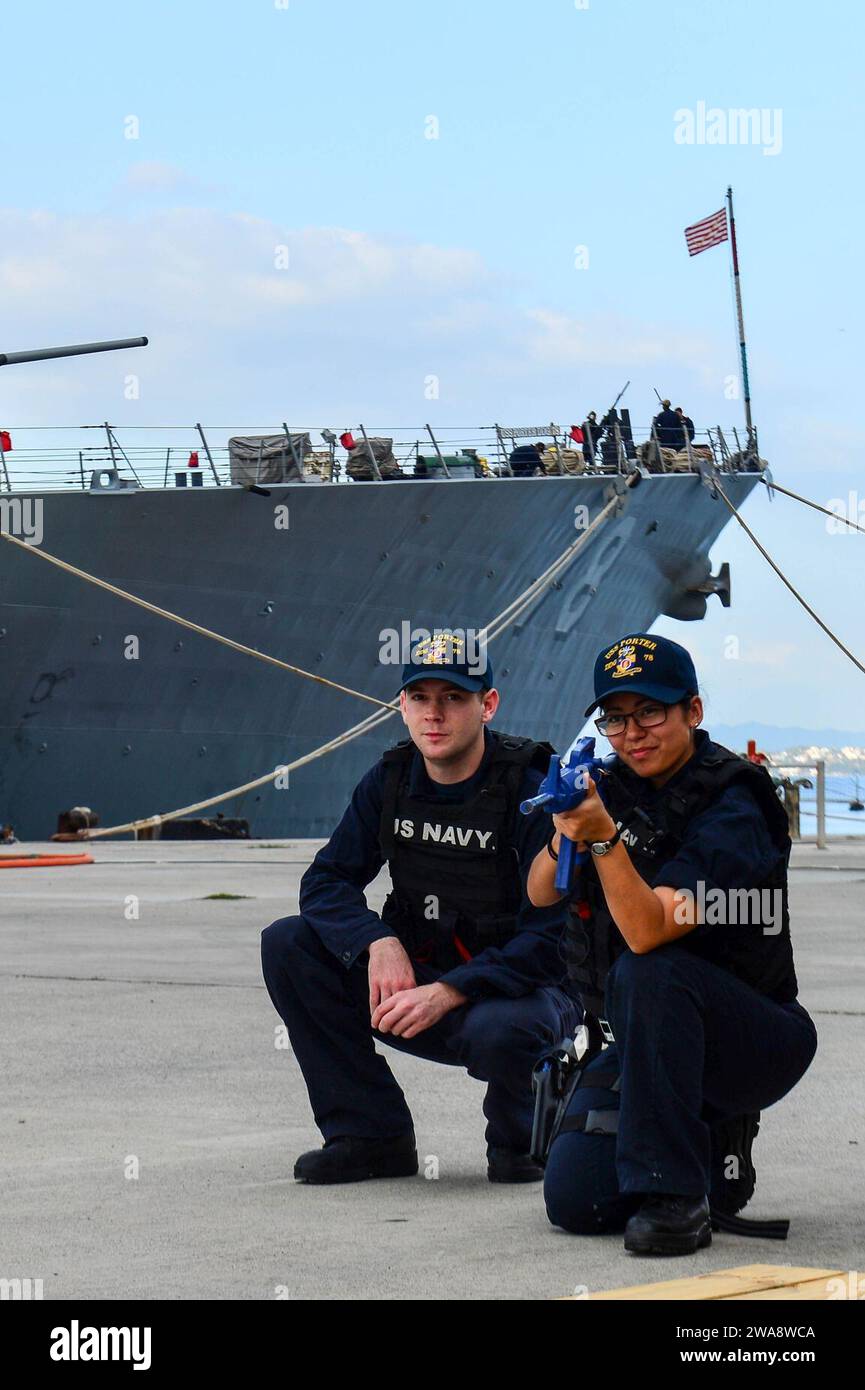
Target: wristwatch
(601,847)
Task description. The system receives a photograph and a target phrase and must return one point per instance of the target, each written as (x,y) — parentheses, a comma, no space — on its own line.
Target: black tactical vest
(454,867)
(651,836)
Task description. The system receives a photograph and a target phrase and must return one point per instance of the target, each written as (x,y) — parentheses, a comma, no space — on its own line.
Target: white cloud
(611,341)
(353,323)
(215,266)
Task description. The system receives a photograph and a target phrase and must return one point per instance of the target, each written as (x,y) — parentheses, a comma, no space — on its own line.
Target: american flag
(710,232)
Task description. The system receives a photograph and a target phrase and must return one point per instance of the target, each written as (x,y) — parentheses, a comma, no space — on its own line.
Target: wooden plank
(723,1283)
(820,1289)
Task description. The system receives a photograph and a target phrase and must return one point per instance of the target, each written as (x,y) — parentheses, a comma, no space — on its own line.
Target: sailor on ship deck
(667,427)
(527,460)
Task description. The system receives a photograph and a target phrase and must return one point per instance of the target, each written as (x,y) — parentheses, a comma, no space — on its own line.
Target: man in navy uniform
(667,427)
(527,460)
(688,431)
(459,968)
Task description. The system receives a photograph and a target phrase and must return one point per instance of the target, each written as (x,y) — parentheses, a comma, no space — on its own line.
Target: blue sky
(305,126)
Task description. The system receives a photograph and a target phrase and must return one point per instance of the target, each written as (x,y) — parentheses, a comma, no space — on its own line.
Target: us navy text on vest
(457,835)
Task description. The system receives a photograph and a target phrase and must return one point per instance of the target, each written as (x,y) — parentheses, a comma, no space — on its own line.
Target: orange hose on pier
(42,861)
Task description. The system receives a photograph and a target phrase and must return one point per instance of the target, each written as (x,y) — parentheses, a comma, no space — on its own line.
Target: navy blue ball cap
(445,656)
(650,666)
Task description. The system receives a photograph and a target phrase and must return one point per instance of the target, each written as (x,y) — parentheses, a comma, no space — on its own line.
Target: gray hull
(84,725)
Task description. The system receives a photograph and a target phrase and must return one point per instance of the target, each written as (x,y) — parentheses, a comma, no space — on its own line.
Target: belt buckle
(606,1032)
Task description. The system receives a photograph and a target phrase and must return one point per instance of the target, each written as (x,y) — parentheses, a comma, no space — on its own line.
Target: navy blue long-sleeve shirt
(727,845)
(333,903)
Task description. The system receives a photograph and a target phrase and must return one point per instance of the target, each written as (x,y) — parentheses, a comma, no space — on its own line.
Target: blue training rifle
(563,789)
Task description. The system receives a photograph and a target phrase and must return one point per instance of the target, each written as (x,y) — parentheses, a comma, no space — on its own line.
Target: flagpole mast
(746,385)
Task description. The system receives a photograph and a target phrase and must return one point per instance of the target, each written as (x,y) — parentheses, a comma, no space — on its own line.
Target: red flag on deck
(347,440)
(5,441)
(193,459)
(576,434)
(710,232)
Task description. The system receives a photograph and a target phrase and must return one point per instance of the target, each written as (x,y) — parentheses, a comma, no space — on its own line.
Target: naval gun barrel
(73,350)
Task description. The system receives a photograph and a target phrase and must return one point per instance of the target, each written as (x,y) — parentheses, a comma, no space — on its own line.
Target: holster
(555,1077)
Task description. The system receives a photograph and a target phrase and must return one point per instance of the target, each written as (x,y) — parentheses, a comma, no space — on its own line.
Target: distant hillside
(840,749)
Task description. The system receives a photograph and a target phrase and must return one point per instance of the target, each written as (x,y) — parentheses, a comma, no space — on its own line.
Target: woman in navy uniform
(678,941)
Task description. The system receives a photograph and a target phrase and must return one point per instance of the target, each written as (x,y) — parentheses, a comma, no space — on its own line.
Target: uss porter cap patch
(650,666)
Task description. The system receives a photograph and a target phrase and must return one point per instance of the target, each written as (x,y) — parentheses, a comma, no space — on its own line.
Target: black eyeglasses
(646,717)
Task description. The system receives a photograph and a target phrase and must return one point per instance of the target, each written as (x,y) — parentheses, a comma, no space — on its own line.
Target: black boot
(732,1138)
(349,1159)
(667,1224)
(503,1165)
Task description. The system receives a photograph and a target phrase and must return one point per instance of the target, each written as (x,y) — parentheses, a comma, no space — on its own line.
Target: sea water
(840,791)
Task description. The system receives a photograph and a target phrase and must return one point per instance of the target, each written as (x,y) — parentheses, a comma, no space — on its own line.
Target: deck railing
(76,457)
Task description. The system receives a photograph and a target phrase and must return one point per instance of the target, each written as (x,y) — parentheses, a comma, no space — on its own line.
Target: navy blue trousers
(325,1008)
(693,1043)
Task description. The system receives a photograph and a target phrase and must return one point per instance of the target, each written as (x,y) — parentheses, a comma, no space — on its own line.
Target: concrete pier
(150,1121)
